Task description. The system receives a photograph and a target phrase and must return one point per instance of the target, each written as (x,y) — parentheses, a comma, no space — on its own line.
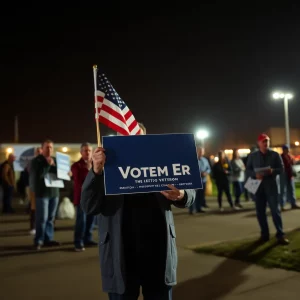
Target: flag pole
(96,107)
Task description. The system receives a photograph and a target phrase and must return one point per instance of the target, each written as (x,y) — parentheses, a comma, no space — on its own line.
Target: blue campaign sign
(147,163)
(63,163)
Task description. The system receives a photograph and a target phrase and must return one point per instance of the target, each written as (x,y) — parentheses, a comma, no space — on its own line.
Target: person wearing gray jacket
(265,165)
(137,238)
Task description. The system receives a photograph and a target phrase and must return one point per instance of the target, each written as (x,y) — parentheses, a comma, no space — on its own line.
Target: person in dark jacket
(137,243)
(221,171)
(8,183)
(267,192)
(287,183)
(46,197)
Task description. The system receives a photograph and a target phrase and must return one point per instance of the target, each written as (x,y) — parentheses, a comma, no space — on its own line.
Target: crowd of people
(230,177)
(42,200)
(124,225)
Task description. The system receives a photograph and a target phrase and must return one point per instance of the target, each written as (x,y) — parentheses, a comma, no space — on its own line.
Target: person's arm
(249,169)
(235,167)
(229,167)
(187,201)
(208,168)
(278,165)
(75,171)
(92,194)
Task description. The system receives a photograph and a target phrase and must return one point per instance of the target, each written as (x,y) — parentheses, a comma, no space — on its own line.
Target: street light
(286,97)
(202,134)
(9,150)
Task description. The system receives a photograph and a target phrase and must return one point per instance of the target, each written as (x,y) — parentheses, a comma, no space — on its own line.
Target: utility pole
(16,131)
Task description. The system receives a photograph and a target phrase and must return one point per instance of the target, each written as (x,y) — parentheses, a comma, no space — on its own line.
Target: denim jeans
(287,190)
(199,200)
(238,189)
(45,215)
(83,228)
(261,201)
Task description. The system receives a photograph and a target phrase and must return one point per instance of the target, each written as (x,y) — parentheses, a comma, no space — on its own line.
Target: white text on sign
(177,170)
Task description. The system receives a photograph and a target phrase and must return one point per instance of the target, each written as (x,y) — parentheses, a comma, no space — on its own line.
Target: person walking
(265,165)
(237,177)
(83,233)
(221,171)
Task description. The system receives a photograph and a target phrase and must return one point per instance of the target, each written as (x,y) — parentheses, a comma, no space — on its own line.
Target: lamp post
(286,97)
(202,135)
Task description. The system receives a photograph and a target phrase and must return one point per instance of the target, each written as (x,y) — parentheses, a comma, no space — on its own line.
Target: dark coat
(109,210)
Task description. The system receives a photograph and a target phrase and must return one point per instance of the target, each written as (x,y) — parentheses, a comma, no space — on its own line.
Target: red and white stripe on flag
(111,115)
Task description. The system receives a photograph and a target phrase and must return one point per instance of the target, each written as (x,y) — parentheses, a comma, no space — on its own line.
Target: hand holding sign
(174,194)
(98,160)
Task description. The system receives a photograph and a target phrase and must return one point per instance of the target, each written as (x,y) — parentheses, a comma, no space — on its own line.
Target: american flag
(111,110)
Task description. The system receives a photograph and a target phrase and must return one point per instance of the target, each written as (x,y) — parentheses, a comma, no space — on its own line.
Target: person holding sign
(137,242)
(46,197)
(265,165)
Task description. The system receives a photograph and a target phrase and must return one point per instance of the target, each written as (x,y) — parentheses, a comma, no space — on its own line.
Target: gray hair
(86,144)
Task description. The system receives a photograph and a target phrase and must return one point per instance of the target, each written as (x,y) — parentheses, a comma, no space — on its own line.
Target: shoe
(296,206)
(32,232)
(283,209)
(283,241)
(235,208)
(221,209)
(37,247)
(79,249)
(52,244)
(205,206)
(90,244)
(239,205)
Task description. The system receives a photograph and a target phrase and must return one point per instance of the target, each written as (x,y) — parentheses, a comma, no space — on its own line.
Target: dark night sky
(178,67)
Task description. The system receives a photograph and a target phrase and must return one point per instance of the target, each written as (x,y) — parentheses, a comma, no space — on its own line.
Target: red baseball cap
(262,137)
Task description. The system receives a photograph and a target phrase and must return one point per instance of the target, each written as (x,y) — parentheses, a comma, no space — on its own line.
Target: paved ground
(62,273)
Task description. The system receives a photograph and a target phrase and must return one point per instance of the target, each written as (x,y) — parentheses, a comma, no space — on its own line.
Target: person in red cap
(265,165)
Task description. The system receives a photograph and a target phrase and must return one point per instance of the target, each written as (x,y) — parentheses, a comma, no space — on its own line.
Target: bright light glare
(297,143)
(202,134)
(240,151)
(244,151)
(280,95)
(216,159)
(65,149)
(9,150)
(228,151)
